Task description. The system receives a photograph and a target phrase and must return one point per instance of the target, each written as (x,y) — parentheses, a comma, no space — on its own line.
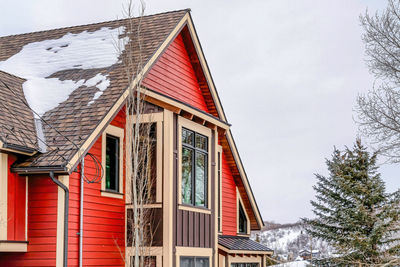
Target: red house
(63,99)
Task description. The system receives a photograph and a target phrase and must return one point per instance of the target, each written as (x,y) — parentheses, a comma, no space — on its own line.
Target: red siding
(229,209)
(103,217)
(15,204)
(173,75)
(42,225)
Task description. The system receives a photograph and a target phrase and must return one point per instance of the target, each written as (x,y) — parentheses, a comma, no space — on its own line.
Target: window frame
(238,203)
(114,132)
(184,123)
(194,259)
(219,178)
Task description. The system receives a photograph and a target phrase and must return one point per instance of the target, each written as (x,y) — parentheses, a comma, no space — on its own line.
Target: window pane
(187,159)
(242,220)
(201,262)
(112,163)
(201,142)
(187,262)
(187,137)
(200,179)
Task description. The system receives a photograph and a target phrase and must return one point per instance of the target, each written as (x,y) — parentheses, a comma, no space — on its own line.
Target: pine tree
(353,213)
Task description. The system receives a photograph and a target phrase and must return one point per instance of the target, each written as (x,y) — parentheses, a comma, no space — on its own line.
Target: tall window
(194,168)
(194,262)
(112,163)
(242,220)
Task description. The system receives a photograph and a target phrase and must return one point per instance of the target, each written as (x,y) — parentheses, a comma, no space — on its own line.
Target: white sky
(288,73)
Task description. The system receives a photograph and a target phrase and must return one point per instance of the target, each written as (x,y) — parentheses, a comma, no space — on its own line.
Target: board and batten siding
(103,217)
(174,76)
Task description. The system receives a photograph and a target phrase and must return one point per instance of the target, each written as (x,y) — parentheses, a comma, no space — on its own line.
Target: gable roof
(75,119)
(75,124)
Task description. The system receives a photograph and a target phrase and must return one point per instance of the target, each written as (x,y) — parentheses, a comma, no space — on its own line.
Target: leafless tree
(378,110)
(140,142)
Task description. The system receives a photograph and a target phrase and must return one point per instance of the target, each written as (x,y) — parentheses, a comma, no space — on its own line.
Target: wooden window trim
(119,133)
(191,125)
(240,201)
(193,252)
(219,178)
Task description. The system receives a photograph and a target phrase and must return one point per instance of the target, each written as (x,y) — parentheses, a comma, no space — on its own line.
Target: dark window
(112,163)
(147,167)
(194,168)
(244,264)
(242,220)
(194,262)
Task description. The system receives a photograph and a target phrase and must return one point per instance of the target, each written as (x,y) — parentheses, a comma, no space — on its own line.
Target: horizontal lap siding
(103,217)
(229,209)
(173,75)
(42,225)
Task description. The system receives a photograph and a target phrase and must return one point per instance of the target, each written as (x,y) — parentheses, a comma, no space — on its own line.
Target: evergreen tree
(353,213)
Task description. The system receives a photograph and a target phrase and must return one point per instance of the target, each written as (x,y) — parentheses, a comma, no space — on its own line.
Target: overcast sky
(288,73)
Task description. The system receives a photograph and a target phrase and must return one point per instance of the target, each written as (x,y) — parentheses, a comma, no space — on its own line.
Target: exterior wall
(42,226)
(103,216)
(173,75)
(229,200)
(16,211)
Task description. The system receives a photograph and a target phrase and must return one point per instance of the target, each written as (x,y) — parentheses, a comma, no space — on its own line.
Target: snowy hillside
(293,264)
(287,240)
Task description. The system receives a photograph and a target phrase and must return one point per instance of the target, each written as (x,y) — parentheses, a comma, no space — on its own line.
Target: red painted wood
(15,203)
(173,75)
(229,209)
(103,217)
(42,227)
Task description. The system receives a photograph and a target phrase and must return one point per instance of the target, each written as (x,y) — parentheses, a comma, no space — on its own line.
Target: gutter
(66,207)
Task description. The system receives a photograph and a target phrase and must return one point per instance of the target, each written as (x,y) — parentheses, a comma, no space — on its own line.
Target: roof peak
(95,23)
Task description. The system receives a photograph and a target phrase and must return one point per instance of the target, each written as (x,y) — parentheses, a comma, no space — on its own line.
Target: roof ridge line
(95,23)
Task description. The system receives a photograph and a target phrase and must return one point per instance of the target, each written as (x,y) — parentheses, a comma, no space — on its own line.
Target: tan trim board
(244,178)
(16,151)
(180,106)
(168,187)
(219,160)
(194,209)
(3,195)
(216,194)
(13,246)
(120,101)
(245,259)
(192,251)
(205,68)
(119,133)
(60,220)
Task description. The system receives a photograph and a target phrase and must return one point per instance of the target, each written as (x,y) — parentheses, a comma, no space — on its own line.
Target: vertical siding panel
(202,230)
(191,229)
(185,228)
(196,229)
(207,230)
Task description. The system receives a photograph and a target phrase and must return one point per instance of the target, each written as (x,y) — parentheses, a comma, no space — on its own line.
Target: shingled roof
(241,243)
(17,129)
(67,126)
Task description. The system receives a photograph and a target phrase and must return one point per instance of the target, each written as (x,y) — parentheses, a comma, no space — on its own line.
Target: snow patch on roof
(37,61)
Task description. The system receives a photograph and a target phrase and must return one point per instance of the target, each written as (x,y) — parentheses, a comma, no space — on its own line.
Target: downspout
(66,207)
(81,213)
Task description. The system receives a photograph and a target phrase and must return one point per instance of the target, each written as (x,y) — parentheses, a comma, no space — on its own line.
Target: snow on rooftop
(38,60)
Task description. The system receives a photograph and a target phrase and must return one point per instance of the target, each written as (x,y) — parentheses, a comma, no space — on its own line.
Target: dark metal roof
(240,243)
